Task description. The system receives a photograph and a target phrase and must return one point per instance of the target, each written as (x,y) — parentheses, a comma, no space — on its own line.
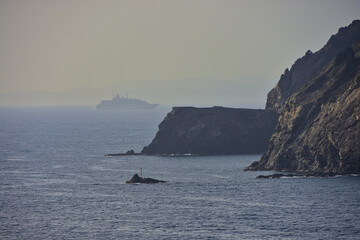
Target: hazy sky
(176,52)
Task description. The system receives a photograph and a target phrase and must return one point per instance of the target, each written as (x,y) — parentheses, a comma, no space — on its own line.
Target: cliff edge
(213,131)
(304,69)
(319,127)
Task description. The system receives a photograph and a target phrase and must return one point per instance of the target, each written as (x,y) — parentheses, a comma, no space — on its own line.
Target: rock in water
(319,127)
(213,131)
(130,152)
(137,179)
(279,175)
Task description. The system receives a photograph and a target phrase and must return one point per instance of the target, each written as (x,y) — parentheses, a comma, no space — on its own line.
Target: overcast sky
(175,52)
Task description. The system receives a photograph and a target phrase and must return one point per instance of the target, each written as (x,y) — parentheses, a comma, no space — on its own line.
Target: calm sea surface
(55,183)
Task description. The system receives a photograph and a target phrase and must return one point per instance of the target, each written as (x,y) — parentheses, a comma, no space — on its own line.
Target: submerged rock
(128,153)
(137,179)
(308,174)
(279,175)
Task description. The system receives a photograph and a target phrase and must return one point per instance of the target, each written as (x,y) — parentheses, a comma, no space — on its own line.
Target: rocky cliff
(216,130)
(317,101)
(306,67)
(319,127)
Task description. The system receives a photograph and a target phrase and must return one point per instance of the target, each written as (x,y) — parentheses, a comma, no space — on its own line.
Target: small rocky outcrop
(130,152)
(127,153)
(304,69)
(213,131)
(137,179)
(319,127)
(279,175)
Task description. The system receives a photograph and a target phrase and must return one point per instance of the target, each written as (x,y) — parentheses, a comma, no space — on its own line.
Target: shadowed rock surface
(137,179)
(319,128)
(306,67)
(213,131)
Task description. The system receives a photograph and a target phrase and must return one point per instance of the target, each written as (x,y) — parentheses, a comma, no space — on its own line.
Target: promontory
(311,123)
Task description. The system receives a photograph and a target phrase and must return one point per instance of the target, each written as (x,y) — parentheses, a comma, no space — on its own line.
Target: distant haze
(231,53)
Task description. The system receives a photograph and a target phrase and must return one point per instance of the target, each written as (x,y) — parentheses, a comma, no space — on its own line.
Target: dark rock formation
(306,67)
(213,131)
(128,153)
(279,175)
(137,179)
(308,174)
(319,127)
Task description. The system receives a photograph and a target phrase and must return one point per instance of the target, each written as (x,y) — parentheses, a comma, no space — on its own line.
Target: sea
(56,183)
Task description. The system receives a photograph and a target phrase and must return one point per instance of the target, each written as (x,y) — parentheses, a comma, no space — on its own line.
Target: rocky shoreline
(319,124)
(319,128)
(311,124)
(315,174)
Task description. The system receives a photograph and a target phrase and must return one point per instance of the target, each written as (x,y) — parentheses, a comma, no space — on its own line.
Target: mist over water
(57,184)
(246,93)
(168,52)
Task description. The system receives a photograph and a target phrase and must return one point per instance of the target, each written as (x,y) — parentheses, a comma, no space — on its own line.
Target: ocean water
(56,183)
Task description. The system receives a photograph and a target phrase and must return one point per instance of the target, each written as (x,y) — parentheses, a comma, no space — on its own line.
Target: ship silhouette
(124,103)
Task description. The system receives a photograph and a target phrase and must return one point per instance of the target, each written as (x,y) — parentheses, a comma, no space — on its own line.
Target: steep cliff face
(319,128)
(212,131)
(306,67)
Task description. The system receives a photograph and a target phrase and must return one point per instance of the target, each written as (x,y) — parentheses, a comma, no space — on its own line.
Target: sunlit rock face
(319,127)
(304,69)
(213,131)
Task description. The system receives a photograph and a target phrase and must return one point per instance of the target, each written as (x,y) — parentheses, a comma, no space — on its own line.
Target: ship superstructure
(124,103)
